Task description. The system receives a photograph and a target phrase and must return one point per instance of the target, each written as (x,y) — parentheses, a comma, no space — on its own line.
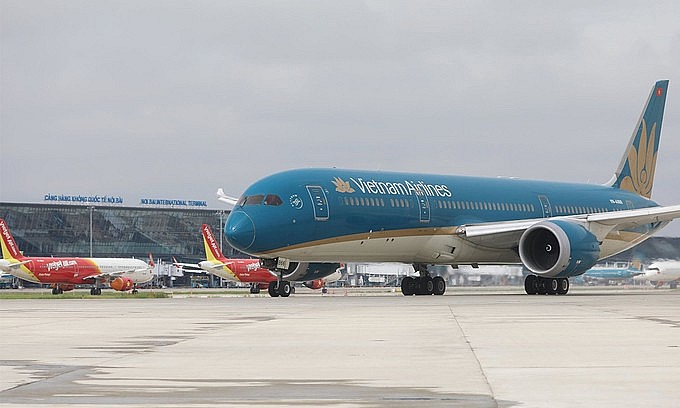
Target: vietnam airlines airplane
(122,274)
(614,272)
(309,218)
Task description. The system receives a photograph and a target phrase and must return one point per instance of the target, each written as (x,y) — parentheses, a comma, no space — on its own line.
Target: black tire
(531,284)
(92,292)
(439,285)
(541,285)
(284,289)
(98,291)
(428,285)
(408,286)
(563,287)
(553,285)
(273,289)
(324,290)
(55,291)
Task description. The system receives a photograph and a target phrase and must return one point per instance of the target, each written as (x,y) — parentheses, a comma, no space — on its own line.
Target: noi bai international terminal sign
(80,199)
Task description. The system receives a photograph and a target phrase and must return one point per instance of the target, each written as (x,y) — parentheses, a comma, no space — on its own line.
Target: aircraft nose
(240,230)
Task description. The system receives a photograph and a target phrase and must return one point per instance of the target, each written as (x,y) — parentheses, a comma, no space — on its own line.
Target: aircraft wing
(225,198)
(110,275)
(6,266)
(506,234)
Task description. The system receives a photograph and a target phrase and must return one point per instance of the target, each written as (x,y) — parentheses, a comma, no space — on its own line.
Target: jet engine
(558,248)
(303,271)
(315,284)
(122,284)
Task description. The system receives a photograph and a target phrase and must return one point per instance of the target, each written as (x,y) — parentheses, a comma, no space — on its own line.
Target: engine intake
(558,248)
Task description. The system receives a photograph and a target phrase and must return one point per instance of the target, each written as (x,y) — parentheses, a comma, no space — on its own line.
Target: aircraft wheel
(531,284)
(254,289)
(324,290)
(439,285)
(55,291)
(273,289)
(408,286)
(92,292)
(553,286)
(541,286)
(563,286)
(428,285)
(284,289)
(134,291)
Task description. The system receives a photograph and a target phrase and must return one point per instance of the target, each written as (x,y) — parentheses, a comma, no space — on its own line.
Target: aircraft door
(545,206)
(319,202)
(424,208)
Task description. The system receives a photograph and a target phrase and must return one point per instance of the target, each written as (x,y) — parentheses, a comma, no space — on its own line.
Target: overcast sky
(173,99)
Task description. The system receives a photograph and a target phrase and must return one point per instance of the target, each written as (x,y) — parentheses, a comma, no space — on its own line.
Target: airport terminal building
(82,230)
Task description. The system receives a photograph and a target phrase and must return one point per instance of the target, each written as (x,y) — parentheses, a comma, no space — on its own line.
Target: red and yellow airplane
(122,274)
(244,270)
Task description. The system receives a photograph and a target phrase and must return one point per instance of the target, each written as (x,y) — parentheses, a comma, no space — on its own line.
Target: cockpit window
(272,199)
(241,201)
(254,199)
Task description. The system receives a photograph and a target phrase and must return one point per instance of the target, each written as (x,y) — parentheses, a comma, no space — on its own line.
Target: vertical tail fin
(638,164)
(212,248)
(10,250)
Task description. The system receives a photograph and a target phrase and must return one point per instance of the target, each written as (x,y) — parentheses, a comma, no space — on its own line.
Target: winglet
(225,198)
(10,250)
(212,248)
(638,164)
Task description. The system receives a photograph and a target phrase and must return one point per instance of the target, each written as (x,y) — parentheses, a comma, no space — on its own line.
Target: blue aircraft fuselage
(333,215)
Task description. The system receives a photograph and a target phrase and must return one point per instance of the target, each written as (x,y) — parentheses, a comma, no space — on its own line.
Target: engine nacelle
(122,284)
(303,271)
(315,284)
(558,248)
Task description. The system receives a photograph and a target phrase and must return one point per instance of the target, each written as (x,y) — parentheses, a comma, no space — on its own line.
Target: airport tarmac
(470,348)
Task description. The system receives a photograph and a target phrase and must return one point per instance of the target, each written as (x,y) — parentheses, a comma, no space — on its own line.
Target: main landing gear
(280,288)
(96,291)
(538,285)
(255,288)
(424,284)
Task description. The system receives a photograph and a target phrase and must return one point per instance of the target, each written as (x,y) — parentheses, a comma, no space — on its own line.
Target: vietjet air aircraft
(317,217)
(247,270)
(63,274)
(661,272)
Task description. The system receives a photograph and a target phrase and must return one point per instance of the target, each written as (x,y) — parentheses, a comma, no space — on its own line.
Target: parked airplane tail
(638,164)
(10,250)
(212,248)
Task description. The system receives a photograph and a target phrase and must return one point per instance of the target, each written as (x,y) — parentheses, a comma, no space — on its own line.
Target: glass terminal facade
(113,231)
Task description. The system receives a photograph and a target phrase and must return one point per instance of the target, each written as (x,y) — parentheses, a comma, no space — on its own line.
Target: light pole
(91,210)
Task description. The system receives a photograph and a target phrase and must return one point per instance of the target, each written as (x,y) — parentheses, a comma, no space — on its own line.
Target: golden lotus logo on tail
(642,162)
(342,186)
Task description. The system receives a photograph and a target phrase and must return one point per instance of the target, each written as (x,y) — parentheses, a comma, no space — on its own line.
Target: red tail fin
(10,250)
(212,248)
